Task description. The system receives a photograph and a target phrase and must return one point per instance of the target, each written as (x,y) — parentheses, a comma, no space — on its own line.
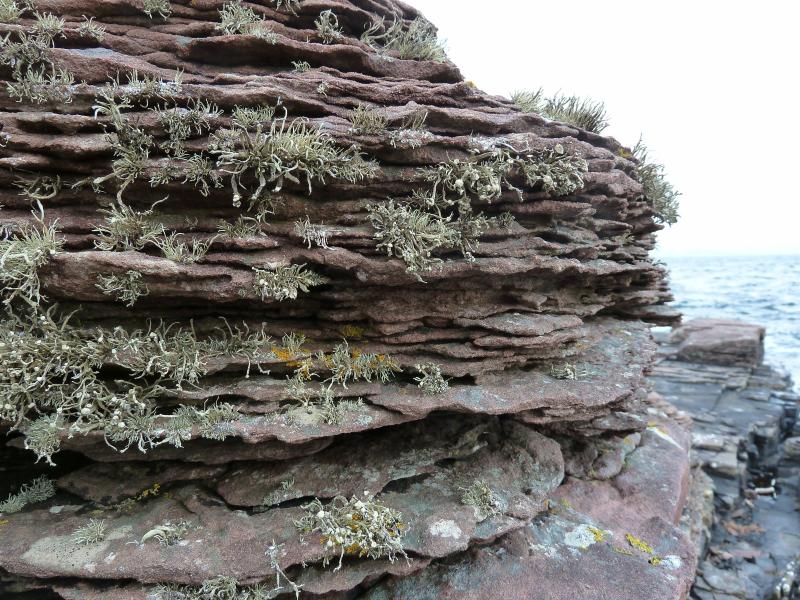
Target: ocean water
(756,289)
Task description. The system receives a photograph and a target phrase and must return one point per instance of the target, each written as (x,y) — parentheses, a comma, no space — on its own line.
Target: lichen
(287,150)
(328,29)
(237,19)
(416,40)
(127,288)
(38,490)
(574,110)
(362,527)
(161,8)
(430,379)
(657,190)
(482,498)
(285,282)
(93,532)
(22,254)
(167,534)
(367,121)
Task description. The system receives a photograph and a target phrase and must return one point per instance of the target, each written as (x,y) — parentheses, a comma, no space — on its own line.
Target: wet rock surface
(743,438)
(249,393)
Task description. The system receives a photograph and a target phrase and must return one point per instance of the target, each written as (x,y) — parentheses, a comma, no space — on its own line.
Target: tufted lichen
(93,532)
(38,490)
(286,150)
(127,288)
(235,18)
(416,40)
(328,29)
(362,527)
(285,282)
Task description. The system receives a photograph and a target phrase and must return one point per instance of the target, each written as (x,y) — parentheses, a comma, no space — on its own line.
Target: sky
(711,85)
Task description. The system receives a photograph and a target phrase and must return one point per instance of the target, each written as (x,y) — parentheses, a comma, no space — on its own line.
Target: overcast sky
(712,85)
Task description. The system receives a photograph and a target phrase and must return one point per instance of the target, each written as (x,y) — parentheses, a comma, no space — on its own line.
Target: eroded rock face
(316,269)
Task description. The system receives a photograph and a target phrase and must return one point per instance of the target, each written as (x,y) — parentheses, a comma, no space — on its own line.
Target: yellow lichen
(599,534)
(623,551)
(655,561)
(638,544)
(353,331)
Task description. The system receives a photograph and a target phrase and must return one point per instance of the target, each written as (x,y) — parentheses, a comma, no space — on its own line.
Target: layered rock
(747,475)
(317,271)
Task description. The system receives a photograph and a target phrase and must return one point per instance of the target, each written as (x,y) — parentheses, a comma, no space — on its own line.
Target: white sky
(711,84)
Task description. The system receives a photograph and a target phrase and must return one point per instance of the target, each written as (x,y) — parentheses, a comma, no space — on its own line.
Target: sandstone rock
(719,341)
(234,360)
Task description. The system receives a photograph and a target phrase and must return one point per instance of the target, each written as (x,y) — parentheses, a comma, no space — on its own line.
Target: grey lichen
(568,372)
(412,133)
(26,51)
(38,490)
(237,19)
(574,110)
(361,527)
(175,249)
(367,121)
(430,379)
(482,498)
(657,190)
(416,40)
(43,187)
(301,66)
(93,532)
(285,282)
(167,534)
(22,254)
(328,29)
(287,150)
(127,288)
(291,5)
(127,229)
(311,234)
(88,28)
(443,218)
(161,8)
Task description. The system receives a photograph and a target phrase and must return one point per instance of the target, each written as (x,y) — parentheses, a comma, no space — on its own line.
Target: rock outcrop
(299,311)
(747,473)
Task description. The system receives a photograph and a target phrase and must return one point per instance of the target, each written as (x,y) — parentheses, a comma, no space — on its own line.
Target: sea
(756,289)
